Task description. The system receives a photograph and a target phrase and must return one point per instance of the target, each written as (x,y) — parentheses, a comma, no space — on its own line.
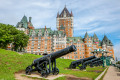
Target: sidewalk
(112,74)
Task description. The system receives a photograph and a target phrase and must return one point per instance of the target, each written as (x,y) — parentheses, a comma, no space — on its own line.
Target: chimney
(30,19)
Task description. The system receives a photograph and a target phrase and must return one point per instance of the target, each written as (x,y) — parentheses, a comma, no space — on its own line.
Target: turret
(30,19)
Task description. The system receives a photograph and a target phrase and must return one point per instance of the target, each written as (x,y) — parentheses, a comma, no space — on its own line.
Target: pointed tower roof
(86,35)
(23,23)
(103,43)
(24,19)
(65,10)
(95,36)
(107,41)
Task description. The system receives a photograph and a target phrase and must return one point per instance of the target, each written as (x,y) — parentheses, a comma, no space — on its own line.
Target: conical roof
(24,19)
(65,11)
(23,23)
(107,41)
(103,43)
(86,35)
(95,36)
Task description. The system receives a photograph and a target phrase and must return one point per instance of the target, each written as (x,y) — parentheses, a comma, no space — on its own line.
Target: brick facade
(45,40)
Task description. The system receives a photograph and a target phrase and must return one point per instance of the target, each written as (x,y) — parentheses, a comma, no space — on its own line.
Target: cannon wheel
(27,71)
(56,71)
(44,73)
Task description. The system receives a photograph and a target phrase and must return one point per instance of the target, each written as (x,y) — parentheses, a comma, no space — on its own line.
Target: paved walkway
(112,74)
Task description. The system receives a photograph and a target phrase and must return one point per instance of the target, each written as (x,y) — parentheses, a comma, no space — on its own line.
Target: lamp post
(103,59)
(100,51)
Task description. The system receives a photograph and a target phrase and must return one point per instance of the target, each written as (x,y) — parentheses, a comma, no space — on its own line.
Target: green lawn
(11,62)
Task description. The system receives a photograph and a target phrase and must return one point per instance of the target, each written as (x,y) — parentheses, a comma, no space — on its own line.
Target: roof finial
(65,5)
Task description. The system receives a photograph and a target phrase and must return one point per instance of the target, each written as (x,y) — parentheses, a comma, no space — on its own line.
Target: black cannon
(118,66)
(84,65)
(40,64)
(75,64)
(97,63)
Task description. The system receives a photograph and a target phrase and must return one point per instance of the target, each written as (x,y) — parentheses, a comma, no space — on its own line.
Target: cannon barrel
(76,63)
(83,60)
(93,60)
(57,54)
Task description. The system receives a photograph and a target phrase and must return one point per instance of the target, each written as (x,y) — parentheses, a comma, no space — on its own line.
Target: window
(83,52)
(32,47)
(32,37)
(80,52)
(83,57)
(75,52)
(75,56)
(80,49)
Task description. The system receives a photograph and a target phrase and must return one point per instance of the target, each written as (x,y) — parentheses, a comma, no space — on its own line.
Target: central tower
(65,22)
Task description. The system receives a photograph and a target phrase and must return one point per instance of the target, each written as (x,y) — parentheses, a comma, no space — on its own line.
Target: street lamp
(98,51)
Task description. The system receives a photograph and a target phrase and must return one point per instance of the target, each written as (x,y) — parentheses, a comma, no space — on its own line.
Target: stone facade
(45,41)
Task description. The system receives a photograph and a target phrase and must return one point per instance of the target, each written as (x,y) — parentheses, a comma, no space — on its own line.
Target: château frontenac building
(45,40)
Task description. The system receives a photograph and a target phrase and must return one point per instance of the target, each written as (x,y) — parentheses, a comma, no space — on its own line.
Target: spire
(86,35)
(95,36)
(65,6)
(58,14)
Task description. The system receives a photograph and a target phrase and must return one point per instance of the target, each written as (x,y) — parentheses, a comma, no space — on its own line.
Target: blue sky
(94,16)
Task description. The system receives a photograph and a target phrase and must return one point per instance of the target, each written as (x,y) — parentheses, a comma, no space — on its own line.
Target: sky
(94,16)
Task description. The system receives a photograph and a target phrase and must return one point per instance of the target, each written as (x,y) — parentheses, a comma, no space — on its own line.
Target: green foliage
(11,62)
(9,34)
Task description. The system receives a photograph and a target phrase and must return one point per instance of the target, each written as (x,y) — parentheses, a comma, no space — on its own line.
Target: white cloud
(97,16)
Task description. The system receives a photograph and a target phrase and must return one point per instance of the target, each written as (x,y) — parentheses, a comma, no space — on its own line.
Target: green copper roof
(95,36)
(103,43)
(24,19)
(23,23)
(42,32)
(107,41)
(74,39)
(86,35)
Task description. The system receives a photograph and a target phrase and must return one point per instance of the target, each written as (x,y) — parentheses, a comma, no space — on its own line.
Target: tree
(6,36)
(20,41)
(9,34)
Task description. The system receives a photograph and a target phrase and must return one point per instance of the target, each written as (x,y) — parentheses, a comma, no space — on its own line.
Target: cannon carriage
(97,63)
(77,63)
(89,62)
(47,64)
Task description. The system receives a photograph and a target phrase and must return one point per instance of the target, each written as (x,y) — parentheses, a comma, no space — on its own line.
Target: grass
(61,78)
(11,62)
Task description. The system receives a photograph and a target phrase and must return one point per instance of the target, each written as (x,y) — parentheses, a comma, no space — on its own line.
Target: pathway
(112,74)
